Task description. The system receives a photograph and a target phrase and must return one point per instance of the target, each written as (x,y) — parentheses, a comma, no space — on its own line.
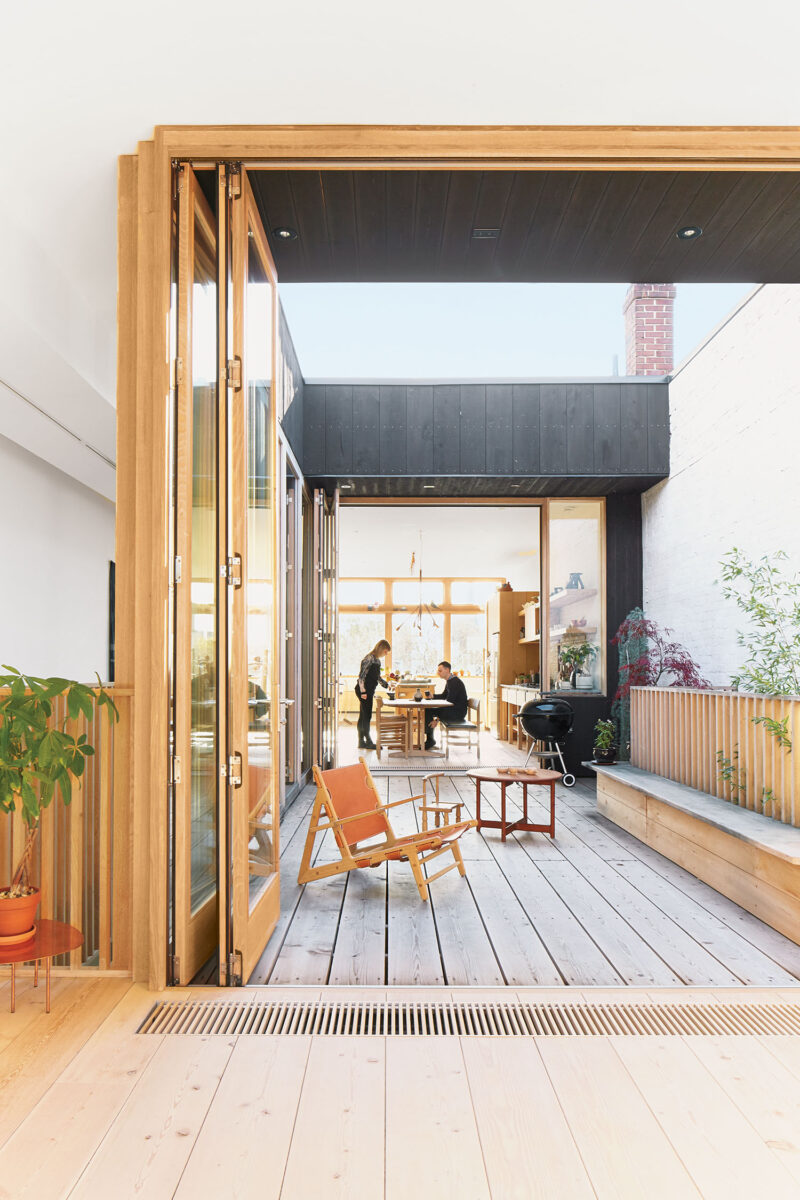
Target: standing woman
(369,676)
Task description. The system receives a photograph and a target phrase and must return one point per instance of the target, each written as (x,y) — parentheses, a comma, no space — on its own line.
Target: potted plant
(574,658)
(38,759)
(605,735)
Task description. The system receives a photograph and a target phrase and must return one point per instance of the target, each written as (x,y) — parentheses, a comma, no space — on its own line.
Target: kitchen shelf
(563,630)
(529,641)
(571,596)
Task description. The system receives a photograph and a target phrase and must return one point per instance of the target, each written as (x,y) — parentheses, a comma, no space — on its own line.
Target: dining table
(416,709)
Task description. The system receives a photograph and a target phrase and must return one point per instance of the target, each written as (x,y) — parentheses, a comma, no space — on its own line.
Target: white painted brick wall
(735,475)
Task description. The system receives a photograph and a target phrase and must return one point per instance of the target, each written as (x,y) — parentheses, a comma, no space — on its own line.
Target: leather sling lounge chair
(348,798)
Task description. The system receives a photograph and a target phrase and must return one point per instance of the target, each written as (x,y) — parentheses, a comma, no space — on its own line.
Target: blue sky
(358,330)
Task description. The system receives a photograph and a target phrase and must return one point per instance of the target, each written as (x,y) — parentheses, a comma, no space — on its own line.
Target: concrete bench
(750,858)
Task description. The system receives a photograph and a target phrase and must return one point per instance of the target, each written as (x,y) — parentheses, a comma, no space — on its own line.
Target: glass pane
(469,591)
(417,644)
(259,584)
(358,633)
(203,535)
(412,591)
(467,644)
(576,635)
(361,591)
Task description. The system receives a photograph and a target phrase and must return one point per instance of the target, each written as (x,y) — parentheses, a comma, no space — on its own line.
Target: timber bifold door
(226,789)
(325,671)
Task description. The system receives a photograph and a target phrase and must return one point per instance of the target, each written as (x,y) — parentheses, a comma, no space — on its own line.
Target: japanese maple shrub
(648,658)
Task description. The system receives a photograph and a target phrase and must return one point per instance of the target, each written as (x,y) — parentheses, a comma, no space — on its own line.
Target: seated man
(456,694)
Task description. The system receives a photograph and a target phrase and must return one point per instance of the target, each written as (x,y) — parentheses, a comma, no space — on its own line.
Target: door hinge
(318,634)
(234,183)
(178,571)
(174,969)
(233,374)
(175,768)
(235,968)
(233,571)
(176,372)
(235,770)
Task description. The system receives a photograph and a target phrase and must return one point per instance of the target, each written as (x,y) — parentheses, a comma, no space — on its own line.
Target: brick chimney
(648,328)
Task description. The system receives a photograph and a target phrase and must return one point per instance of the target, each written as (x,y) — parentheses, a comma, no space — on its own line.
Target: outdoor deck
(593,908)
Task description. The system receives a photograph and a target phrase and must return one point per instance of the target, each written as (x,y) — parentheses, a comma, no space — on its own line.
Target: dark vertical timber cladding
(366,430)
(580,429)
(657,429)
(392,410)
(499,412)
(633,429)
(473,429)
(338,429)
(314,430)
(419,433)
(446,429)
(606,428)
(623,592)
(525,421)
(553,429)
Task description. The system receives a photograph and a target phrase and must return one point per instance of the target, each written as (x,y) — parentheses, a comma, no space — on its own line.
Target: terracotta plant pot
(18,915)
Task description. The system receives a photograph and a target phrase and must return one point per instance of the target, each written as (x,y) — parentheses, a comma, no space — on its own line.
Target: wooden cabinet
(513,648)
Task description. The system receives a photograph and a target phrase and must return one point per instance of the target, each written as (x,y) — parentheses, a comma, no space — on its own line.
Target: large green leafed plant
(38,759)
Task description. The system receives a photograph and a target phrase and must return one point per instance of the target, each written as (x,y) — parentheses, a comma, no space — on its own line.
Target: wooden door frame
(144,566)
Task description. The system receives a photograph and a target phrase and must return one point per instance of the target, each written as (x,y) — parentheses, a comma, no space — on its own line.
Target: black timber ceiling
(485,486)
(555,226)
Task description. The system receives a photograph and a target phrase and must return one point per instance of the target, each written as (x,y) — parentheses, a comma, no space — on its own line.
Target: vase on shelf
(575,580)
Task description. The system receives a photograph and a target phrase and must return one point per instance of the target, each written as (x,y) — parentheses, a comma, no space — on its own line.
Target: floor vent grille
(467,1018)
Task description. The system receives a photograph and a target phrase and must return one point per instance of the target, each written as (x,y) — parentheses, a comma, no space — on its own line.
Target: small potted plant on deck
(38,759)
(605,750)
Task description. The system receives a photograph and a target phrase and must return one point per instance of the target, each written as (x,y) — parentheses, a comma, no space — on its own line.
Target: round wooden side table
(50,939)
(532,778)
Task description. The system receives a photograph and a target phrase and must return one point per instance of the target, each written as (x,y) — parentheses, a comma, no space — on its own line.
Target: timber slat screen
(82,860)
(714,742)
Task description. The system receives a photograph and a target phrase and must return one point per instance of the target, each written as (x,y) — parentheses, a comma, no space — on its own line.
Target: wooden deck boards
(591,908)
(108,1112)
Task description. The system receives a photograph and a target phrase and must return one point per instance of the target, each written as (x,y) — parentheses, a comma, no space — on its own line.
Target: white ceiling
(455,540)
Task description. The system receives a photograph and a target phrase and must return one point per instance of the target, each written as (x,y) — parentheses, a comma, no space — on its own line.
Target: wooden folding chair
(348,798)
(392,728)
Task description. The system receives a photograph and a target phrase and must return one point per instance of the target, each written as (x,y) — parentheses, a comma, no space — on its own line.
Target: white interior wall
(58,538)
(734,477)
(82,84)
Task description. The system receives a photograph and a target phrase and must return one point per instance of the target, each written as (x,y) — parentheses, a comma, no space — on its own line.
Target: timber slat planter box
(750,858)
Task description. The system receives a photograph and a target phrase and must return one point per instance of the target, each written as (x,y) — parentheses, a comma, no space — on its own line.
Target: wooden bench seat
(749,858)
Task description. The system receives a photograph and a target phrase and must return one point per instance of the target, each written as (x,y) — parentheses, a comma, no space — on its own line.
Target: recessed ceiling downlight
(284,233)
(689,233)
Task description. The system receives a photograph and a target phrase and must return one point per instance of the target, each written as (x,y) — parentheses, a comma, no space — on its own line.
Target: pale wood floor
(90,1109)
(493,752)
(593,908)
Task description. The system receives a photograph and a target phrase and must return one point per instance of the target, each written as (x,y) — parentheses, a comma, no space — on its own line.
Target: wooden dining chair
(347,802)
(464,732)
(392,727)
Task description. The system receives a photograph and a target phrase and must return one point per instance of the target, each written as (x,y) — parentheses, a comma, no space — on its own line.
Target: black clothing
(369,676)
(456,694)
(364,717)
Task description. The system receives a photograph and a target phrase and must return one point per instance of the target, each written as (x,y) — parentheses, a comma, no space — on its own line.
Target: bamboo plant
(39,760)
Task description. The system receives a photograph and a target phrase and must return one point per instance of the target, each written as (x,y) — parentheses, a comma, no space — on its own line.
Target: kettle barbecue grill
(548,721)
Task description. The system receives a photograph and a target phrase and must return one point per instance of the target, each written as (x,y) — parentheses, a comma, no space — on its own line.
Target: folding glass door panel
(196,617)
(254,713)
(325,672)
(291,580)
